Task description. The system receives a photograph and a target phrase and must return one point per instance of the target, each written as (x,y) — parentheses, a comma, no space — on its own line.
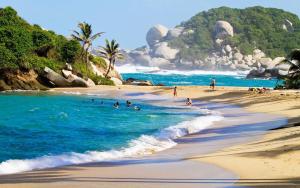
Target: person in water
(137,108)
(213,84)
(189,102)
(116,105)
(175,91)
(128,103)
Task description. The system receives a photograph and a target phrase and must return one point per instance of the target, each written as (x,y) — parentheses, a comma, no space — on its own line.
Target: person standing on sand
(175,91)
(213,84)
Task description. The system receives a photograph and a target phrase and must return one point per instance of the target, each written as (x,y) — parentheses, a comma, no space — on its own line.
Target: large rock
(55,78)
(263,73)
(58,80)
(133,81)
(116,81)
(155,34)
(238,56)
(288,25)
(23,80)
(258,54)
(140,58)
(266,63)
(223,29)
(164,51)
(228,48)
(174,33)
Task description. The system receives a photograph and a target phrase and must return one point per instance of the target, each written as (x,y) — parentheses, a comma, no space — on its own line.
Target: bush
(39,63)
(70,51)
(7,59)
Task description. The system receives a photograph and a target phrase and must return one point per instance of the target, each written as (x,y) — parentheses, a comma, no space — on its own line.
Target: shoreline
(188,91)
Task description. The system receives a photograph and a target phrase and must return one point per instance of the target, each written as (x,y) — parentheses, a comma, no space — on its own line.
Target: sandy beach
(239,148)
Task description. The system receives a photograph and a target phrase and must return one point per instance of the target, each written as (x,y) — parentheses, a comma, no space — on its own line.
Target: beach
(225,150)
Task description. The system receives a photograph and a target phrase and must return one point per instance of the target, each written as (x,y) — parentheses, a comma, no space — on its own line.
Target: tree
(292,80)
(111,53)
(85,37)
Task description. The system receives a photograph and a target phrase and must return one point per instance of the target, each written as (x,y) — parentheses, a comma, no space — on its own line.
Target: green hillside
(24,47)
(254,27)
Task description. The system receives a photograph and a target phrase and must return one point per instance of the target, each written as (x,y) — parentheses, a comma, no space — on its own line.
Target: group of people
(189,100)
(128,104)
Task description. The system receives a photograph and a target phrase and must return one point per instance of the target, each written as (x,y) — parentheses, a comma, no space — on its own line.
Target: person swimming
(137,108)
(116,105)
(128,103)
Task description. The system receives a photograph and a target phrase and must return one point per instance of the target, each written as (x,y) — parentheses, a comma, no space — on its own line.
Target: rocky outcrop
(224,57)
(223,29)
(20,80)
(70,80)
(155,34)
(132,81)
(164,51)
(288,26)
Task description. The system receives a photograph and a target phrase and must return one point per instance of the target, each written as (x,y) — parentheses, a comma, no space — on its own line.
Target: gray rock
(66,73)
(174,33)
(228,48)
(164,51)
(288,25)
(238,56)
(266,63)
(155,34)
(116,81)
(55,78)
(223,29)
(68,67)
(161,62)
(132,81)
(258,54)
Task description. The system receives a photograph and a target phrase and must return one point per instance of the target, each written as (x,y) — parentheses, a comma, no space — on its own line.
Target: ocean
(43,130)
(194,77)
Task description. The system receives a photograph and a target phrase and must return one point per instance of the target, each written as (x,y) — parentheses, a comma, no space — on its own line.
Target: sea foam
(128,68)
(144,145)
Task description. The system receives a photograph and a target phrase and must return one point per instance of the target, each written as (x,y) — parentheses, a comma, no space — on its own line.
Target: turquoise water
(202,79)
(33,126)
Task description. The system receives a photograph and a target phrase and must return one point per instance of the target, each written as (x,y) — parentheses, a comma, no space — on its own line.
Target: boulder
(140,58)
(133,81)
(155,34)
(77,81)
(258,54)
(248,58)
(288,25)
(116,81)
(174,33)
(266,63)
(228,48)
(266,73)
(55,78)
(68,67)
(238,56)
(164,51)
(223,29)
(278,60)
(66,73)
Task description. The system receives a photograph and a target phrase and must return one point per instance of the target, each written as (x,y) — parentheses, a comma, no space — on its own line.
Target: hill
(254,38)
(26,50)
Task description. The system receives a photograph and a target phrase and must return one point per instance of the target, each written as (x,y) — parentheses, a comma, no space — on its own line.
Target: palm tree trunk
(108,70)
(86,62)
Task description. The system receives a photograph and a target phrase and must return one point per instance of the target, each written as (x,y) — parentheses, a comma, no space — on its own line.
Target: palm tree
(111,52)
(85,37)
(293,77)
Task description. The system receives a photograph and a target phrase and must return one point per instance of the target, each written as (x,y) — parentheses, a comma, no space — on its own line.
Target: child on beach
(175,91)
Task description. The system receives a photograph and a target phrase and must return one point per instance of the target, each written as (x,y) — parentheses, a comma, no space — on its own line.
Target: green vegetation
(254,27)
(111,52)
(86,37)
(292,80)
(24,46)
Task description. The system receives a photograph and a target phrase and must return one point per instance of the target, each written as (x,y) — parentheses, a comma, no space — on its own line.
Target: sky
(127,21)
